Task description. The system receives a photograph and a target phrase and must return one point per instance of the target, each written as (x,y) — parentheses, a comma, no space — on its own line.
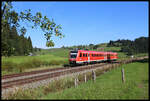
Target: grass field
(110,86)
(106,86)
(17,64)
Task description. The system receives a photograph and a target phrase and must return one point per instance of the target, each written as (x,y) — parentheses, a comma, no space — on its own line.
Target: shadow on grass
(145,81)
(142,61)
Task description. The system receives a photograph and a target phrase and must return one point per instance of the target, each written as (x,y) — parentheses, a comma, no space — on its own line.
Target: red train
(85,57)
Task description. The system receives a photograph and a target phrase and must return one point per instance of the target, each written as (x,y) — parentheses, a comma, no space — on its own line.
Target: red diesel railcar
(84,56)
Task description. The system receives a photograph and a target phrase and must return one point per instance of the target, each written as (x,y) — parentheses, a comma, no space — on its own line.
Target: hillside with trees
(139,45)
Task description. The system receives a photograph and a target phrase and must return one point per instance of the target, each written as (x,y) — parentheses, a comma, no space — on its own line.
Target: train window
(80,54)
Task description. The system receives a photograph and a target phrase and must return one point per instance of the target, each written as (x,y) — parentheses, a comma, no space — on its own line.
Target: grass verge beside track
(110,86)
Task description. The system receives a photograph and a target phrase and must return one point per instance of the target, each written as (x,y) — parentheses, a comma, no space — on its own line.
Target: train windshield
(73,54)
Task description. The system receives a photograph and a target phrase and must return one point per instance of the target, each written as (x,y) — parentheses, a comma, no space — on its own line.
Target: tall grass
(110,86)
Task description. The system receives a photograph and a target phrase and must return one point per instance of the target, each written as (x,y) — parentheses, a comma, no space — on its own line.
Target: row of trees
(139,45)
(15,44)
(84,47)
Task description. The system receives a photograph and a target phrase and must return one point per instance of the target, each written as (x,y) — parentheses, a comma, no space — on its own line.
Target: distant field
(56,52)
(17,64)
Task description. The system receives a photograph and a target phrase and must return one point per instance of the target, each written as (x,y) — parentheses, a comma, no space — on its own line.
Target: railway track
(28,77)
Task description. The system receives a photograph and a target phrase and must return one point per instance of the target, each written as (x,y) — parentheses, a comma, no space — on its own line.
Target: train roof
(111,53)
(97,52)
(93,51)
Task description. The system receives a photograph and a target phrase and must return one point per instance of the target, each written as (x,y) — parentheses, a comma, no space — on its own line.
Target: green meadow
(17,64)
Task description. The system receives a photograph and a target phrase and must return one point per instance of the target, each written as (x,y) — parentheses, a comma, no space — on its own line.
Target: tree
(111,43)
(91,46)
(95,46)
(12,18)
(30,44)
(141,44)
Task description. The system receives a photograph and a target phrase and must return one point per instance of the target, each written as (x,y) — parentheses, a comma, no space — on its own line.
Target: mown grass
(106,86)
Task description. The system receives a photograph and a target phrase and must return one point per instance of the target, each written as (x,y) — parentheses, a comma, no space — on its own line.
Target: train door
(108,56)
(88,57)
(105,57)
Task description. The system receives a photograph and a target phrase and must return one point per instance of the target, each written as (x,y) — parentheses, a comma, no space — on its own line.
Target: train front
(73,56)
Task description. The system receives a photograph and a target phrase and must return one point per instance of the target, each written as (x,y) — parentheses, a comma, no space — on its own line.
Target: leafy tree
(95,46)
(12,18)
(111,43)
(91,46)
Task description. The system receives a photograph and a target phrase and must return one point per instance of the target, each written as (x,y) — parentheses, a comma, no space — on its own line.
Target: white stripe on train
(92,60)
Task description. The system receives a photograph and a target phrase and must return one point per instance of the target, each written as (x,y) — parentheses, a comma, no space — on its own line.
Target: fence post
(85,78)
(93,75)
(123,77)
(76,81)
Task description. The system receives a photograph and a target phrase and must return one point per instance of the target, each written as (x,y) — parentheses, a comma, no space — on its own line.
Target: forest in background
(14,44)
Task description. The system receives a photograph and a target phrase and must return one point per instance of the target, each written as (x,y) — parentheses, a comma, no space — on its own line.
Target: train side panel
(83,56)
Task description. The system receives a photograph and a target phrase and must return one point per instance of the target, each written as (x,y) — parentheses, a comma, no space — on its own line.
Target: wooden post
(76,81)
(93,75)
(85,78)
(123,77)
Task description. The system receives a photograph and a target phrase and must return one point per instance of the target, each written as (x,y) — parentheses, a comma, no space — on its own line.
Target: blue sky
(89,22)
